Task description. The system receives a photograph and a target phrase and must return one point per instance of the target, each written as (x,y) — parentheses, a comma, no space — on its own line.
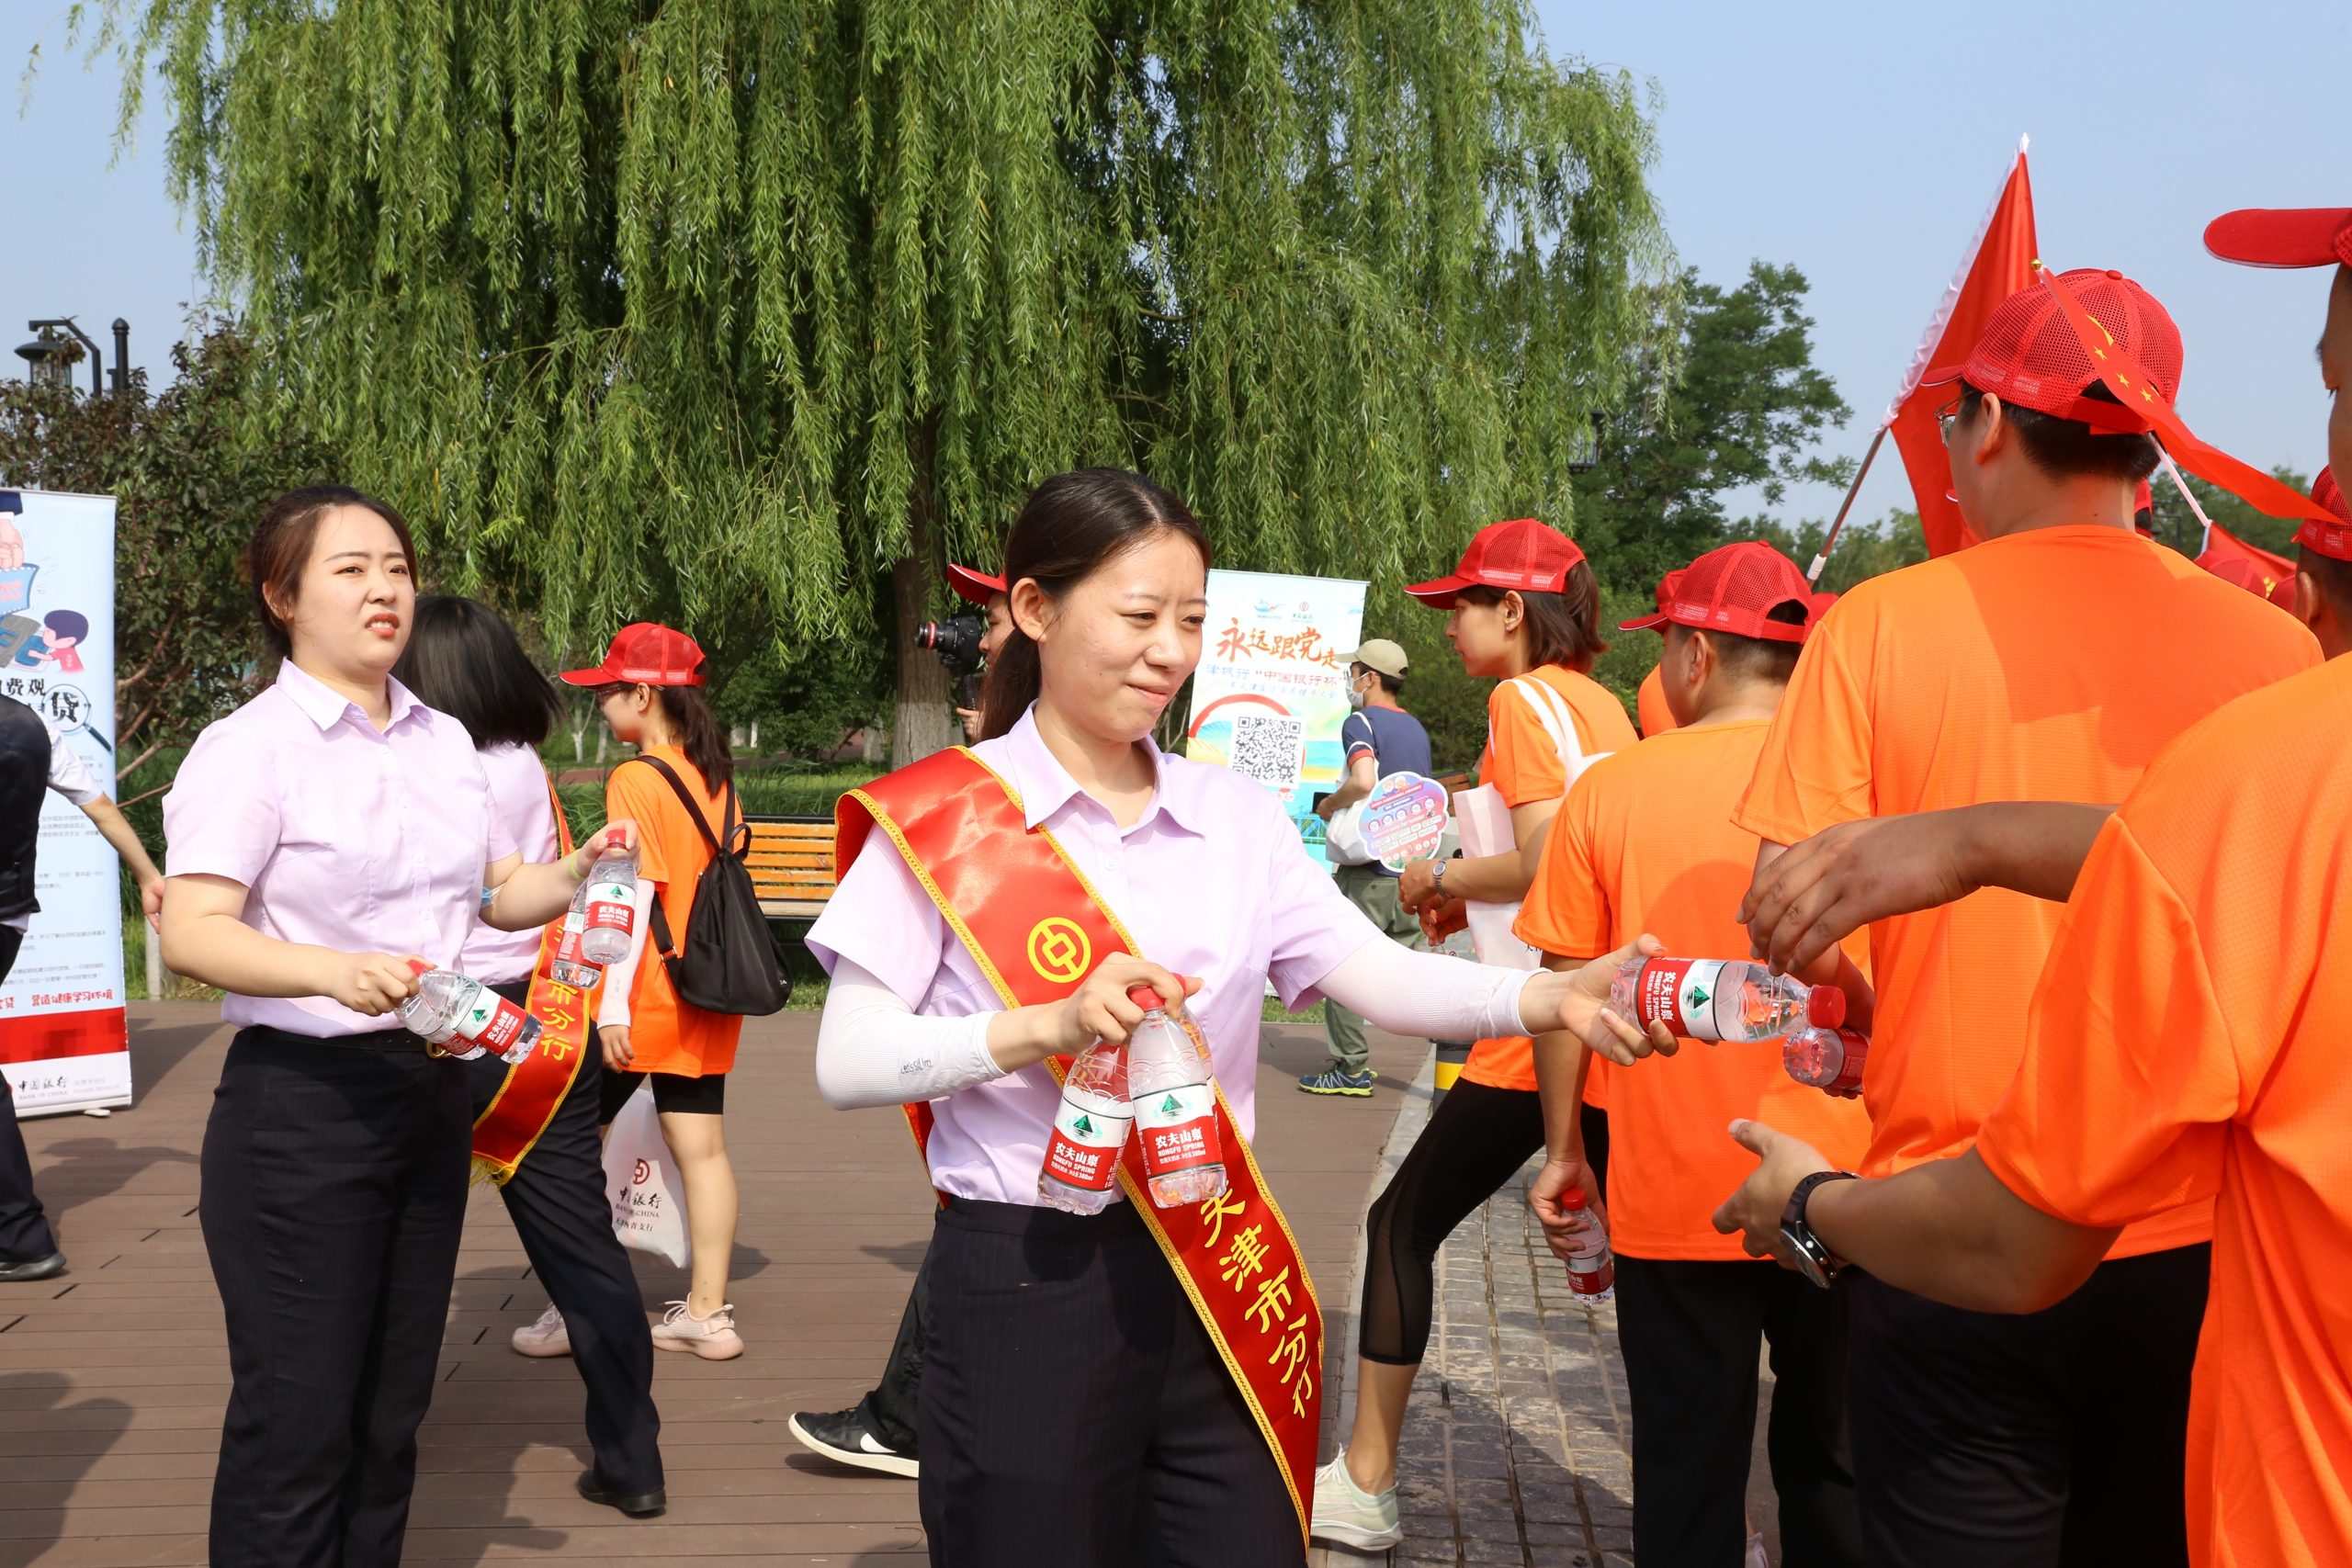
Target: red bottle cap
(1826,1007)
(1144,997)
(1573,1199)
(419,966)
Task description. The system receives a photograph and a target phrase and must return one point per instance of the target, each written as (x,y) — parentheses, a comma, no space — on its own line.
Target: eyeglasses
(1949,415)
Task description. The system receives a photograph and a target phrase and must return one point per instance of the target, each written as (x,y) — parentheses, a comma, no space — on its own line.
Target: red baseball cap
(1524,553)
(974,587)
(1733,588)
(644,654)
(2333,541)
(2283,236)
(2029,356)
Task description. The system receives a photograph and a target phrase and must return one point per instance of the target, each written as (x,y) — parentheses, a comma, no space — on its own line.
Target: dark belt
(376,1042)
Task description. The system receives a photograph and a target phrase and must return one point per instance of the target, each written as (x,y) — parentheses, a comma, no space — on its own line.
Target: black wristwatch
(1813,1259)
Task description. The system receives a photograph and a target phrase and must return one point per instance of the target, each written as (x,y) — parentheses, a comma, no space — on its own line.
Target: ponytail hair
(698,733)
(1071,527)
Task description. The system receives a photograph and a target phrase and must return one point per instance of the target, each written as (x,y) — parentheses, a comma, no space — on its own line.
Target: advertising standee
(63,1039)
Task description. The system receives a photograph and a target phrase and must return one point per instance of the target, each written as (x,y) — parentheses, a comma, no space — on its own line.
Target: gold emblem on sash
(1060,951)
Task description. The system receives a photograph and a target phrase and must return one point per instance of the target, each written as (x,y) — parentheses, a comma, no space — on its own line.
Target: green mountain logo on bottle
(1699,997)
(480,1015)
(1082,1127)
(1168,1107)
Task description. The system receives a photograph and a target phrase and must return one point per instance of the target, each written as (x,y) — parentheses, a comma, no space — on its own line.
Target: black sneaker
(636,1504)
(846,1436)
(32,1269)
(1336,1079)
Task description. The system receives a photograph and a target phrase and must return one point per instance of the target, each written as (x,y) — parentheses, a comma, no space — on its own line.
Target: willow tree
(752,311)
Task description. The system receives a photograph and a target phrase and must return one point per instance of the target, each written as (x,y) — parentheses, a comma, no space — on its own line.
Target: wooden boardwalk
(113,1378)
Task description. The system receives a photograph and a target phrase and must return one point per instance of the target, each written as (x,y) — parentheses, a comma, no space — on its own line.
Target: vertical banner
(1271,689)
(63,1039)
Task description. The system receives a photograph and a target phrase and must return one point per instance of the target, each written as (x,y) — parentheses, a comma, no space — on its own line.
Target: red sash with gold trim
(1037,929)
(509,1125)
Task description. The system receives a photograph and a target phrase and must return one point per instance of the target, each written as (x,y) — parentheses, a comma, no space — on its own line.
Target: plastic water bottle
(468,1017)
(1829,1059)
(610,913)
(569,967)
(1720,999)
(1592,1272)
(1082,1168)
(1175,1103)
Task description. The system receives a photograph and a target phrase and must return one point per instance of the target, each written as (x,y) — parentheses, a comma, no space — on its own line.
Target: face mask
(1355,697)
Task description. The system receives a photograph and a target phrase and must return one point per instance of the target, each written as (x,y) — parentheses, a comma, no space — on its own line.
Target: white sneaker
(713,1338)
(1348,1516)
(545,1337)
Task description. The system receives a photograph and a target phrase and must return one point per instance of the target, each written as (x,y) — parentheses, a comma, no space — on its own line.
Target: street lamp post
(41,352)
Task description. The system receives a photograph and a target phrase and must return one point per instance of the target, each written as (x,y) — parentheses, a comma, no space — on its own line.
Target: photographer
(968,642)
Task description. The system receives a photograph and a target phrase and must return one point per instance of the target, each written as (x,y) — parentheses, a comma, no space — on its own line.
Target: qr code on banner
(1269,749)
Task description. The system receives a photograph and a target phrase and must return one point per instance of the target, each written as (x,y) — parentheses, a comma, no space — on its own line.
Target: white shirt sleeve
(69,775)
(1432,994)
(620,978)
(873,1049)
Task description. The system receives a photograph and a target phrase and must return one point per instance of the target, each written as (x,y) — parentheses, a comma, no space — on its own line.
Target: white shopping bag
(641,1179)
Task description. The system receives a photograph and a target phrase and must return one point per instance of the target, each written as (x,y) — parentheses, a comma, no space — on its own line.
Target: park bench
(791,862)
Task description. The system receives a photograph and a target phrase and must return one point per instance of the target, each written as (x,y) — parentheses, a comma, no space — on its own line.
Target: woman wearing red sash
(1132,1386)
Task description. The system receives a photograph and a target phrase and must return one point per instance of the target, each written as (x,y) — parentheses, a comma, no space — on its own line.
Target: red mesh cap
(644,654)
(1524,553)
(974,587)
(2332,541)
(1734,588)
(2029,356)
(2283,236)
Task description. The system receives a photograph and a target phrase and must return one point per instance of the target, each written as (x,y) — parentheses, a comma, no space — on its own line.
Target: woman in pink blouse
(1074,1409)
(326,839)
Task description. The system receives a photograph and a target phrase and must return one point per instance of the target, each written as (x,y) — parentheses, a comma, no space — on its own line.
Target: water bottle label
(611,906)
(1084,1150)
(1179,1129)
(1680,994)
(490,1021)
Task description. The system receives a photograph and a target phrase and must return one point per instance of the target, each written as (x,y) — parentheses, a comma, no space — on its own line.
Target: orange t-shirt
(1522,760)
(2048,665)
(2187,1039)
(1649,704)
(1644,842)
(666,1034)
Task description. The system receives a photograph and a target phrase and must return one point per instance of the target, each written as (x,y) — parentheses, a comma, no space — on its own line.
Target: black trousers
(334,1190)
(1477,1139)
(2053,1439)
(1690,1334)
(894,1406)
(557,1200)
(24,1235)
(1074,1411)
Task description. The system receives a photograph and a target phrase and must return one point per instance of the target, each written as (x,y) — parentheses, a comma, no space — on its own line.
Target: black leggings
(1475,1141)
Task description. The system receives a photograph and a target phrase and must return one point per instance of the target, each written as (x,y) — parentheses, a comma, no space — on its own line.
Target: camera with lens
(956,642)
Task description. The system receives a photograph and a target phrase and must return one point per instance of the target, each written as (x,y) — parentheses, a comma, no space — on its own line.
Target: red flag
(2257,571)
(2000,263)
(2146,408)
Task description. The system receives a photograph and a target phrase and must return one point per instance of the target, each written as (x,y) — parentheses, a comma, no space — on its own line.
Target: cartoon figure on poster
(1270,691)
(62,1039)
(1404,819)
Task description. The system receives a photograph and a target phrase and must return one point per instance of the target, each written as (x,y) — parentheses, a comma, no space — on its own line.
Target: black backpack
(730,963)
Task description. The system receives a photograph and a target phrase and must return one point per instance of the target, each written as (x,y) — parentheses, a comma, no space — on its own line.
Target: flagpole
(1829,541)
(2189,496)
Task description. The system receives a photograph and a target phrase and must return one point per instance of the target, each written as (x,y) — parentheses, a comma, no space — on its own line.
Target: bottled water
(1720,999)
(1175,1109)
(610,911)
(1829,1059)
(467,1017)
(1082,1168)
(1593,1271)
(569,967)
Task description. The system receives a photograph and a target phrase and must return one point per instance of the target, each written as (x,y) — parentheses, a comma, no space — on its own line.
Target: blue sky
(1862,142)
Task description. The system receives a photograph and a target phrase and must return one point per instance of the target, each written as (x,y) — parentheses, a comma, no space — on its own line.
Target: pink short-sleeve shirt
(1212,881)
(519,802)
(344,837)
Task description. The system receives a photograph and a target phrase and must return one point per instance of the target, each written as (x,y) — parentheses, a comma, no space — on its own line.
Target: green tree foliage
(190,473)
(1742,408)
(750,312)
